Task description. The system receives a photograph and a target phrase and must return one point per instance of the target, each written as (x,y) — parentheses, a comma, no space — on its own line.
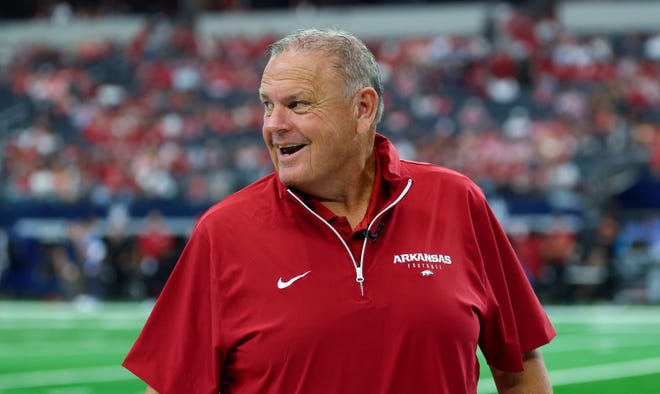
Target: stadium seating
(556,127)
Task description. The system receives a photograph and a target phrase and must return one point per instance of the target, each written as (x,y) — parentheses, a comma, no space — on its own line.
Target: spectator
(156,248)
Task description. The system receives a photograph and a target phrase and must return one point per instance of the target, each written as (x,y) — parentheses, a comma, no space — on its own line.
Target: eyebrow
(291,97)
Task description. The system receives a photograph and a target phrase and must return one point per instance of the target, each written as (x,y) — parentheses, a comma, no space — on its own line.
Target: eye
(299,106)
(268,107)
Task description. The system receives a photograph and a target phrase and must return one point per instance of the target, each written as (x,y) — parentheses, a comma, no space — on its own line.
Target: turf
(62,348)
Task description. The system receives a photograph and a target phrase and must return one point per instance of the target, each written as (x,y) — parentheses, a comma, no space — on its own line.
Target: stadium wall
(372,21)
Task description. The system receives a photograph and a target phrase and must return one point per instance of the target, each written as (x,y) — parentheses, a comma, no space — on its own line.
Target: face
(309,124)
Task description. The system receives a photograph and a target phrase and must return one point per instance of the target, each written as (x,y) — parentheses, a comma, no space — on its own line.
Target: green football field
(61,348)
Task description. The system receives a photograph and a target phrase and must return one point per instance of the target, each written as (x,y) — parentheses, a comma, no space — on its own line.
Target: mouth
(290,149)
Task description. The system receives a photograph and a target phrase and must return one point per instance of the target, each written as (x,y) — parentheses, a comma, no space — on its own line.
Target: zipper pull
(360,279)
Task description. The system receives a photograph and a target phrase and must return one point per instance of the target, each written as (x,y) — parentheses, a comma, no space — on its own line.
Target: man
(347,270)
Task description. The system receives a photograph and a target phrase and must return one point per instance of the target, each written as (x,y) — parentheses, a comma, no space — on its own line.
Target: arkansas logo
(425,263)
(421,258)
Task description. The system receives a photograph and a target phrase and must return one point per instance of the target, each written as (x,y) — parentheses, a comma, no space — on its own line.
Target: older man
(347,270)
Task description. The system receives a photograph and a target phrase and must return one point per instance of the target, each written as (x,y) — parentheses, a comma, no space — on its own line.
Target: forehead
(298,70)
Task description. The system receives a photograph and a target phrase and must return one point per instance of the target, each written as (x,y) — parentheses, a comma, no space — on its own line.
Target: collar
(379,197)
(388,182)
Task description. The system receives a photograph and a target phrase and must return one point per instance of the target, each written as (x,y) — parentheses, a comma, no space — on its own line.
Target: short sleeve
(514,321)
(176,351)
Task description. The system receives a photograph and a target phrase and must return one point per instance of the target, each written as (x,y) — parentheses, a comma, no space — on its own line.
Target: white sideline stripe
(19,380)
(604,314)
(588,374)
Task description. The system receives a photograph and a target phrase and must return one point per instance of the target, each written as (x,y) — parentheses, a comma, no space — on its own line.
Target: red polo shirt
(264,298)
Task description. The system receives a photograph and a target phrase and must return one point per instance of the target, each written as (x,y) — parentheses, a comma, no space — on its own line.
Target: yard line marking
(52,315)
(606,371)
(10,310)
(19,380)
(48,325)
(590,373)
(604,314)
(54,353)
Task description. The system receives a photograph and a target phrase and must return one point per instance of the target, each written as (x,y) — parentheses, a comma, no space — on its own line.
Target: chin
(288,179)
(294,182)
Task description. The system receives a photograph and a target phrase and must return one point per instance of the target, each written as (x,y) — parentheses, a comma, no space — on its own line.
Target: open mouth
(290,149)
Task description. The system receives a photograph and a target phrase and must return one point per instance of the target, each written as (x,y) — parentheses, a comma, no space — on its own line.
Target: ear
(366,107)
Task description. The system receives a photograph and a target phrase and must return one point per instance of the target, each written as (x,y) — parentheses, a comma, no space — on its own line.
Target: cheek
(265,134)
(273,158)
(271,150)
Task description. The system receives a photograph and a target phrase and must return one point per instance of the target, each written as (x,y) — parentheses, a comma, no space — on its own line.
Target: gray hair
(349,56)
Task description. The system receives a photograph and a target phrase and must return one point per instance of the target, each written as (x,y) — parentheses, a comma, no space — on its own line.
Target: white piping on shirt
(359,275)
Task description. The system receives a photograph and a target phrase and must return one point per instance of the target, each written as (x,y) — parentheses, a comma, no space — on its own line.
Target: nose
(276,120)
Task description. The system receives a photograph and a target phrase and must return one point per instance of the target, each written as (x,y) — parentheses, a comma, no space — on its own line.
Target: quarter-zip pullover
(268,298)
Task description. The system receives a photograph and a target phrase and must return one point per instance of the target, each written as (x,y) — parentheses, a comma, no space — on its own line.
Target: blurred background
(121,122)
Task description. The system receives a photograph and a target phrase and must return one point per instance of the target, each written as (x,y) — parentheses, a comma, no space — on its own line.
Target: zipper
(359,273)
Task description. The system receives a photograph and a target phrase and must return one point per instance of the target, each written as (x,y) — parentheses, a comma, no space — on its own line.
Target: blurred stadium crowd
(551,124)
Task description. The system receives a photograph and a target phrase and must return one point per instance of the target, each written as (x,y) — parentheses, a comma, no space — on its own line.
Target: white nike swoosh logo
(283,285)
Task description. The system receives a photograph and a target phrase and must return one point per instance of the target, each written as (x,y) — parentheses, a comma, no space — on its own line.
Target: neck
(352,198)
